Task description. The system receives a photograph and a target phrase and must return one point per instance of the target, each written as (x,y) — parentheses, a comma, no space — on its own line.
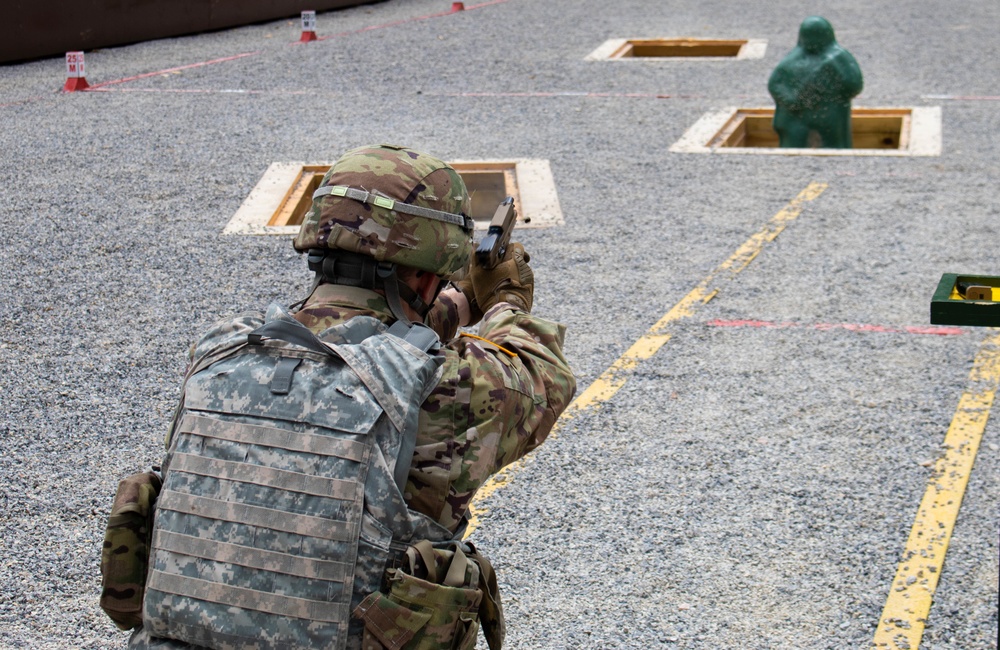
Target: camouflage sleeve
(541,367)
(443,317)
(500,394)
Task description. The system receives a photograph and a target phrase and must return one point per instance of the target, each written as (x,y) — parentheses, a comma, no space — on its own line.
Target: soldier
(812,89)
(387,230)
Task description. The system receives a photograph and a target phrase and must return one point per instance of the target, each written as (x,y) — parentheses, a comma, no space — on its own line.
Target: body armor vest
(282,498)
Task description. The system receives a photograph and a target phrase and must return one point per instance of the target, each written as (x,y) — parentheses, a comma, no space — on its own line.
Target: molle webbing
(275,437)
(261,601)
(185,516)
(279,507)
(252,557)
(241,513)
(266,476)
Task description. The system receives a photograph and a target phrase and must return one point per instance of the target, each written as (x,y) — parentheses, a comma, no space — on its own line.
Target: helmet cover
(403,175)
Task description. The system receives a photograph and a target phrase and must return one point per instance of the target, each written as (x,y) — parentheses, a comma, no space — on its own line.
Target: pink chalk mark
(168,70)
(226,59)
(439,14)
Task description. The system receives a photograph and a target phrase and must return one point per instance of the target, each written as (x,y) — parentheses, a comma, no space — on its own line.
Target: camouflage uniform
(497,399)
(499,393)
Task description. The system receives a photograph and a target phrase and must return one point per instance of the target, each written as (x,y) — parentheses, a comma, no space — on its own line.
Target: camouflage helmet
(393,204)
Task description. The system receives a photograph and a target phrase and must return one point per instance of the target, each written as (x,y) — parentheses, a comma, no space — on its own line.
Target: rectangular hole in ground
(298,199)
(669,48)
(488,184)
(872,129)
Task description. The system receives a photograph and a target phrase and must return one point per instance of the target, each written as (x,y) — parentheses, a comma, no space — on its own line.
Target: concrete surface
(747,487)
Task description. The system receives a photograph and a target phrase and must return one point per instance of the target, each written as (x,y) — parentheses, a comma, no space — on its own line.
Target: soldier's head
(385,212)
(815,34)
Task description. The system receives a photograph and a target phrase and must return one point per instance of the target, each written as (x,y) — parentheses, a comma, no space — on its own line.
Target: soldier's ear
(427,285)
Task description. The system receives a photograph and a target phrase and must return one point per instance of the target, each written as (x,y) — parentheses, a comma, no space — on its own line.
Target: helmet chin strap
(386,272)
(354,270)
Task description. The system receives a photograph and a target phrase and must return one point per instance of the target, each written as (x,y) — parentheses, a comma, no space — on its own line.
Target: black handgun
(493,246)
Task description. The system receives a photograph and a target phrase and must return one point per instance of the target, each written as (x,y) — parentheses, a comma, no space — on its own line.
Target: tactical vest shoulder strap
(290,331)
(416,334)
(419,336)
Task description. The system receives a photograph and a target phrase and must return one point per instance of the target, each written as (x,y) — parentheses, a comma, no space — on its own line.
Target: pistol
(970,291)
(493,246)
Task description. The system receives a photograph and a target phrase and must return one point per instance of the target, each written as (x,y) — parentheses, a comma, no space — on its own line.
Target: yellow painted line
(901,625)
(605,386)
(612,379)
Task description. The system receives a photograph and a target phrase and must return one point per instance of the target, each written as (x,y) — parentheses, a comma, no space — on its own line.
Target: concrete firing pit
(646,49)
(281,199)
(876,131)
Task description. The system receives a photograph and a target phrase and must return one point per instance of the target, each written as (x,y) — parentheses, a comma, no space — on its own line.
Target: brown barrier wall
(39,28)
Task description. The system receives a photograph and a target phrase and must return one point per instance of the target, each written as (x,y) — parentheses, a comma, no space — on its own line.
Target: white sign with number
(74,64)
(309,21)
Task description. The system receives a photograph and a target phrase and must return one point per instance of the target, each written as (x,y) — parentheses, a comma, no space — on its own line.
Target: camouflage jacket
(498,398)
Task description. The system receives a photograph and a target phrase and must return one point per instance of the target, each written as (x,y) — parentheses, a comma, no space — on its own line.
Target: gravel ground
(748,487)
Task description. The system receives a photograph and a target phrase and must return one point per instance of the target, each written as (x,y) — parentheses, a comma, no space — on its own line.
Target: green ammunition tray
(950,307)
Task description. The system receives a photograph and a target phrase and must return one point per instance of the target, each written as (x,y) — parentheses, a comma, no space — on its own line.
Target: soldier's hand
(512,280)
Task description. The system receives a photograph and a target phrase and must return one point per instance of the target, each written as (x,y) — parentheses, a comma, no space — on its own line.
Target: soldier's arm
(500,394)
(448,312)
(530,350)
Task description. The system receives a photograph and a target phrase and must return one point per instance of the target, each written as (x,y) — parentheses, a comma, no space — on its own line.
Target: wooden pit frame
(900,131)
(673,49)
(280,200)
